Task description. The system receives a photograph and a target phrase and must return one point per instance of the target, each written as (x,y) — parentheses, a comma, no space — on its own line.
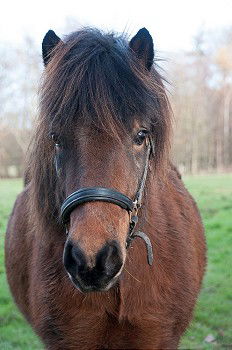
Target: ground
(213,314)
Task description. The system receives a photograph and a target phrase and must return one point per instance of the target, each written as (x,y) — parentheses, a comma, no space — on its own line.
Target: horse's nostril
(109,259)
(74,259)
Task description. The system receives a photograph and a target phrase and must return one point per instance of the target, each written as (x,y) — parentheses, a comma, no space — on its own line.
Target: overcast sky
(172,23)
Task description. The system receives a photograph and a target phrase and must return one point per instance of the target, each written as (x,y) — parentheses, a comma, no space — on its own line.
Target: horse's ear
(142,45)
(49,43)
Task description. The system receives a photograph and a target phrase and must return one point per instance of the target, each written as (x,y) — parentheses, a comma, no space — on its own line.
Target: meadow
(211,327)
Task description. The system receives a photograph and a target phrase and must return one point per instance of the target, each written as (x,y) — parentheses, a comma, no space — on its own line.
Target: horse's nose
(93,273)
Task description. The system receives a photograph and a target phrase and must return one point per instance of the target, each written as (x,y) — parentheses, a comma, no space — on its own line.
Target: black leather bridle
(102,194)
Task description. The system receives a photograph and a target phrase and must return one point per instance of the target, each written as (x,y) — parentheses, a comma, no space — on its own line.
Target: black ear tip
(50,35)
(144,31)
(50,40)
(50,32)
(142,45)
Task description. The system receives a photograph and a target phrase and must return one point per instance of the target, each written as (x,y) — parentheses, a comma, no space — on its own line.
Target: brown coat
(97,111)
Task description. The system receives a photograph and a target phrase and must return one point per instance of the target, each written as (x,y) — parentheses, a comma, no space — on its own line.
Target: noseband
(101,194)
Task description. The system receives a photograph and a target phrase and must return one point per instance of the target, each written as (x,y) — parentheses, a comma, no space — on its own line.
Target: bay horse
(105,247)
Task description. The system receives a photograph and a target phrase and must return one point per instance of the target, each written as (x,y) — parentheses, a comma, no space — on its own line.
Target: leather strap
(91,194)
(139,194)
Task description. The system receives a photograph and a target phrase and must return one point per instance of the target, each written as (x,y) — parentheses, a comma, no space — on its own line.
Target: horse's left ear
(142,45)
(49,43)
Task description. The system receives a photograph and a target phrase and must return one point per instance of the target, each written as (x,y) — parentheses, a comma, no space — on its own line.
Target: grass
(213,314)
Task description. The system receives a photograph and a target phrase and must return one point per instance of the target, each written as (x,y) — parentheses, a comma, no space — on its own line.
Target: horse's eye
(55,138)
(141,137)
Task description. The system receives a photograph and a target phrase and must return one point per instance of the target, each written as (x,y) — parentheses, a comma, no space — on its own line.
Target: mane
(93,78)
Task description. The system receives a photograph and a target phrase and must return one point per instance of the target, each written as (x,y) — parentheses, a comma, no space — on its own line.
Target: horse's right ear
(49,43)
(142,45)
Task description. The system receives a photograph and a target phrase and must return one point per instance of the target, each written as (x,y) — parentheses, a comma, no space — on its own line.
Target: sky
(172,23)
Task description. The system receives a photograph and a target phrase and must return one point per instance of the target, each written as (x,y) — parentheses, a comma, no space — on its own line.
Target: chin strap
(147,241)
(143,236)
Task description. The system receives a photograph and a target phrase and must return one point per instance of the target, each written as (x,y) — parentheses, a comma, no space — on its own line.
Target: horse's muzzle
(96,274)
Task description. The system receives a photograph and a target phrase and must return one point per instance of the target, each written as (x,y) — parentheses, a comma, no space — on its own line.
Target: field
(213,314)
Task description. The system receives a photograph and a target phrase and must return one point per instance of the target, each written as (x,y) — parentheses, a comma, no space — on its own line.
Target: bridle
(102,194)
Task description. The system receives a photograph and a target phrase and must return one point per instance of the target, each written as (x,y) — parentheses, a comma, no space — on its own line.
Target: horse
(105,247)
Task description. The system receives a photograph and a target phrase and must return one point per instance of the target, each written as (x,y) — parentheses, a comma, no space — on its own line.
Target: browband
(91,194)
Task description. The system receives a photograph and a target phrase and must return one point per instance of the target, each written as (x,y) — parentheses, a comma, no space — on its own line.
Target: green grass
(213,314)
